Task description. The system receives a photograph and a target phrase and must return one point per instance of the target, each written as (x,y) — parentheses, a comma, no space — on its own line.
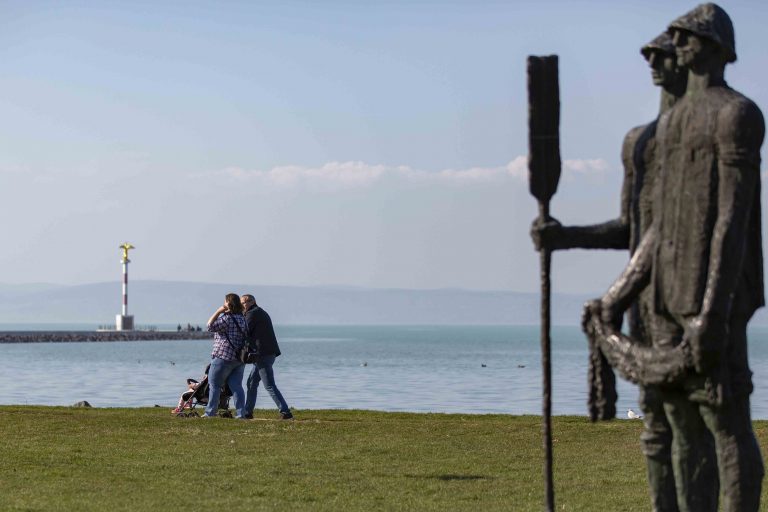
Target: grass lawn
(59,458)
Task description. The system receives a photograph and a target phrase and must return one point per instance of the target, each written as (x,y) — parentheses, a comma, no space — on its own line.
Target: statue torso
(686,199)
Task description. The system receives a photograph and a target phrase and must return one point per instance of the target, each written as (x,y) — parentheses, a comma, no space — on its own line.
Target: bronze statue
(700,264)
(125,246)
(638,155)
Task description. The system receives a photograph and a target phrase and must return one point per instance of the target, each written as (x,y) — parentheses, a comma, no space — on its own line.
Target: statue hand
(610,315)
(590,311)
(707,338)
(545,233)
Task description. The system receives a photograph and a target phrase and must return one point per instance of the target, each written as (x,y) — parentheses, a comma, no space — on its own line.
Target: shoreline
(98,336)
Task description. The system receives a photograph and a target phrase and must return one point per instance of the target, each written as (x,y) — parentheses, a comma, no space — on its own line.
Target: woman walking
(229,332)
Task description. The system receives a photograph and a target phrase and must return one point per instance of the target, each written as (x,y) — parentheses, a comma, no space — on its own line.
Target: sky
(318,143)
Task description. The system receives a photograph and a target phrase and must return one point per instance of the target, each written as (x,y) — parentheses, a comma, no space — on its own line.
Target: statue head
(703,34)
(661,57)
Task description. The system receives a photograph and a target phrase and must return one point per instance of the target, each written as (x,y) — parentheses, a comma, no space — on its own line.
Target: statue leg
(739,458)
(693,454)
(738,455)
(656,441)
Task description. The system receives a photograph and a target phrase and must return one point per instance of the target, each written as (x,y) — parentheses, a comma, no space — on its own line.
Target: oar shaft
(544,175)
(546,366)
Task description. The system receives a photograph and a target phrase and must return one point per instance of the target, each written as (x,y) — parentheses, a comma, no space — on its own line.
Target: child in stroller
(184,399)
(197,395)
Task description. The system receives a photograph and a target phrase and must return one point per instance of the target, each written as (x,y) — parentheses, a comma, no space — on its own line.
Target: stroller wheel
(192,414)
(226,414)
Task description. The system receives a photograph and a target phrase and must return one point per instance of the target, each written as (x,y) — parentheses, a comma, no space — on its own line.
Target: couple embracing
(237,322)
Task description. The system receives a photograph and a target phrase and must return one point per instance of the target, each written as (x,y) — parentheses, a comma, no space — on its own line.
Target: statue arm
(637,273)
(635,277)
(740,135)
(612,234)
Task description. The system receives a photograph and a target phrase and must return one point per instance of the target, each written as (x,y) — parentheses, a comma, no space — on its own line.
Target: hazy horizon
(117,282)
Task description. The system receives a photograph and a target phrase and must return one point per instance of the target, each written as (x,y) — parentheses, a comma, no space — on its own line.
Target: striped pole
(124,321)
(125,286)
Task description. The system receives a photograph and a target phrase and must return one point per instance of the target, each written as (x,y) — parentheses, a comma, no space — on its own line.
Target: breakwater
(72,336)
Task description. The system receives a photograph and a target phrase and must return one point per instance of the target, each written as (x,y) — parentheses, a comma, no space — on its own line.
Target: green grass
(58,458)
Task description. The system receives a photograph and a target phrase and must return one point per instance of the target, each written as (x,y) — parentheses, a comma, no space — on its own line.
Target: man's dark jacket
(261,334)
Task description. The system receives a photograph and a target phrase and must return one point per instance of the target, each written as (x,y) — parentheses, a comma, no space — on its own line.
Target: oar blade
(543,126)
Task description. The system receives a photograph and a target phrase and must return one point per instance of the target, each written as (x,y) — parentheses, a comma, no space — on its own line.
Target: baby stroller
(197,395)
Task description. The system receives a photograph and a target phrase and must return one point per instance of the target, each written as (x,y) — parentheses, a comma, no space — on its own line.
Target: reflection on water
(424,369)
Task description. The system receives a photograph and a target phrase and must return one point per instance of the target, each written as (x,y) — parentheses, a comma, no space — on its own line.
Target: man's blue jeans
(262,372)
(222,371)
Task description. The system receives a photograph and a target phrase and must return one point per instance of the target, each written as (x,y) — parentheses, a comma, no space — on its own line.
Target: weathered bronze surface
(691,217)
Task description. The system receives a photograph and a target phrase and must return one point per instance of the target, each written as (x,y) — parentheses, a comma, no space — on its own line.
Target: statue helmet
(711,22)
(662,43)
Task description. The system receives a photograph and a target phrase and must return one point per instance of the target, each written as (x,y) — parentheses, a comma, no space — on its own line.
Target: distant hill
(171,302)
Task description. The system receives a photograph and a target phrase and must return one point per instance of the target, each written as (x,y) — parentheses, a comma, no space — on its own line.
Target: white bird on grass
(633,415)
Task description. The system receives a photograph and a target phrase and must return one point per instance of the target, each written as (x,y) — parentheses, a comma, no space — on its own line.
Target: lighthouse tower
(124,321)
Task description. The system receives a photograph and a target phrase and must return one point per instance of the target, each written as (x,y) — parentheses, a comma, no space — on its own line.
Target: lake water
(421,369)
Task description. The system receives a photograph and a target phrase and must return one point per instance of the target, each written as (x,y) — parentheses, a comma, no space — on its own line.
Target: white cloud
(343,174)
(518,167)
(586,166)
(356,174)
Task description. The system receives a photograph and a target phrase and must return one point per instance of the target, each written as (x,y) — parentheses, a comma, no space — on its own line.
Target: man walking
(261,337)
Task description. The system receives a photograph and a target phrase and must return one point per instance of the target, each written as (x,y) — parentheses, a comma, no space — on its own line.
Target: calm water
(424,369)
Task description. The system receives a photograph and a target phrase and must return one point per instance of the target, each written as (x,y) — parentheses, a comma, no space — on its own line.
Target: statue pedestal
(124,322)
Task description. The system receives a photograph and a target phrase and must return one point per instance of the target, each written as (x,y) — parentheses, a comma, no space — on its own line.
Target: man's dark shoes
(286,415)
(248,417)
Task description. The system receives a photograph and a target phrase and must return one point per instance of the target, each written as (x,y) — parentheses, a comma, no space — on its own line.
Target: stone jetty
(70,336)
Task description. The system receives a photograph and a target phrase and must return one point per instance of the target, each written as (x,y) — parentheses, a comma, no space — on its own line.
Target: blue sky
(314,143)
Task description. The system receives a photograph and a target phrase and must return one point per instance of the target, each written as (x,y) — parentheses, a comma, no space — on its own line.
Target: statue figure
(126,247)
(701,264)
(638,155)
